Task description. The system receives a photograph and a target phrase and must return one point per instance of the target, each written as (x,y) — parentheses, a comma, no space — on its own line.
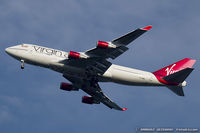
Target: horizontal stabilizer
(178,77)
(177,89)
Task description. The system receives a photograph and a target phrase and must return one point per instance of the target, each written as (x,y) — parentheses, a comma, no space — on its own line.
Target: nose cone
(18,52)
(9,50)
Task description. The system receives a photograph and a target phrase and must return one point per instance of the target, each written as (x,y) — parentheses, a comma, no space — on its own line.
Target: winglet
(146,28)
(124,109)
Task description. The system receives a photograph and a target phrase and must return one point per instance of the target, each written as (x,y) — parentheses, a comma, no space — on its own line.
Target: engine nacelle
(76,55)
(105,45)
(67,87)
(89,100)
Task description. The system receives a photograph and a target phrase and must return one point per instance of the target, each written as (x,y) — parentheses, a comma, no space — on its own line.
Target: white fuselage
(54,59)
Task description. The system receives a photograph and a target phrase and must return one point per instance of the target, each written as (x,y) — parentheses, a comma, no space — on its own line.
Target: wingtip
(146,28)
(124,109)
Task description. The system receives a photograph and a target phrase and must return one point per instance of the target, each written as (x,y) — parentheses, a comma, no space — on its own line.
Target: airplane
(86,69)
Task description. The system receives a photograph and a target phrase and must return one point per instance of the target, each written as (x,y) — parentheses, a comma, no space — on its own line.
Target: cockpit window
(24,45)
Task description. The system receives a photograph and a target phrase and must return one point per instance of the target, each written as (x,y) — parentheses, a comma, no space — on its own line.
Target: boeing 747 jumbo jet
(85,69)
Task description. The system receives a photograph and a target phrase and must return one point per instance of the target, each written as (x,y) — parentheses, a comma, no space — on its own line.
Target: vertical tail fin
(173,76)
(175,67)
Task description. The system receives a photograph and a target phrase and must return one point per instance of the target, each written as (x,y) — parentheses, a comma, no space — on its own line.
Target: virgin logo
(170,70)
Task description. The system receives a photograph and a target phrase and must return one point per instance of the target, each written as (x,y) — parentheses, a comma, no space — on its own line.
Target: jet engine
(105,45)
(89,100)
(76,55)
(67,87)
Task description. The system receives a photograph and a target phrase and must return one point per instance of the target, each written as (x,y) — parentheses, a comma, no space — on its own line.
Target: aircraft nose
(10,51)
(7,50)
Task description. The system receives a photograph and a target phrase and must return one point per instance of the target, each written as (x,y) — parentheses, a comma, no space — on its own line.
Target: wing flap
(119,50)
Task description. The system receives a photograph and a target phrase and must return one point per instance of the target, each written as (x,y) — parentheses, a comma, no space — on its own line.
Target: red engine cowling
(67,87)
(89,100)
(105,45)
(74,55)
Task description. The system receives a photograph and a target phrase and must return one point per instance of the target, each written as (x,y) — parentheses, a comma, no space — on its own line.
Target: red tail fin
(175,67)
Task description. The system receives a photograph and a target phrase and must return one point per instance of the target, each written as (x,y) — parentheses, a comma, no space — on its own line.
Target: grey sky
(30,100)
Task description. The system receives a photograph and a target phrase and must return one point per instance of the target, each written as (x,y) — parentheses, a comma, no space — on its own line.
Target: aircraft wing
(94,90)
(118,45)
(101,97)
(97,63)
(107,101)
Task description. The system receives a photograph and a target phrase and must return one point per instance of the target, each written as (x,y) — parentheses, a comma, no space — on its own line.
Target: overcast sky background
(30,99)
